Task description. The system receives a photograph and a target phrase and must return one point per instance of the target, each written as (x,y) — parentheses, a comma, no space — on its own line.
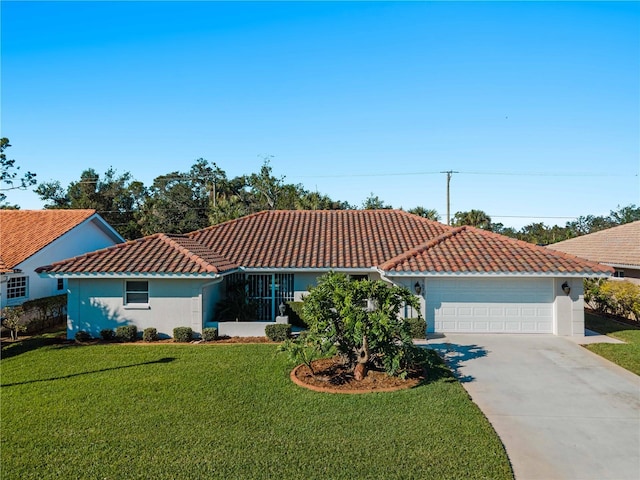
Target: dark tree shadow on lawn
(455,356)
(71,375)
(18,347)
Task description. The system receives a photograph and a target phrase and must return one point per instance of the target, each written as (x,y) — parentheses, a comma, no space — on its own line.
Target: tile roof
(471,250)
(157,253)
(392,240)
(318,238)
(25,232)
(614,246)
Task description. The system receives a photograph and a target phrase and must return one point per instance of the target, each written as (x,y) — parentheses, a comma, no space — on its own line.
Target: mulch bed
(332,376)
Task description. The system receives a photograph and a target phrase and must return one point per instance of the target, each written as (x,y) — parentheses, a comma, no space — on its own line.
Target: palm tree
(474,218)
(429,213)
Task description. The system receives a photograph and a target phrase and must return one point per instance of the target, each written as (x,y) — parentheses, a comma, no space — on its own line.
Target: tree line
(180,202)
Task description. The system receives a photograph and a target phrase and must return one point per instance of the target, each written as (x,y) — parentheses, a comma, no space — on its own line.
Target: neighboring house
(467,279)
(618,247)
(32,238)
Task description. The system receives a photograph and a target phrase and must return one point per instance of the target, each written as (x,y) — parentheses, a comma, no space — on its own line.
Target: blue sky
(537,105)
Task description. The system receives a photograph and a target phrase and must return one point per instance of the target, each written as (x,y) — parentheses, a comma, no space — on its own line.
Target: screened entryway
(268,291)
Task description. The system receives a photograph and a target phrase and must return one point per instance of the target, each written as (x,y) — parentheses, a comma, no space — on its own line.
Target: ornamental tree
(361,319)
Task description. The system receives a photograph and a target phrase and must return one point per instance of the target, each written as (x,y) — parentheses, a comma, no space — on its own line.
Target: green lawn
(626,355)
(224,411)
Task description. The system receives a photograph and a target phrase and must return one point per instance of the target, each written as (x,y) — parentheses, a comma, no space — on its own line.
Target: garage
(500,305)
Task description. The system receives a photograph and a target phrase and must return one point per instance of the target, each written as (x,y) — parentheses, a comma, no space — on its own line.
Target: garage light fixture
(418,288)
(566,288)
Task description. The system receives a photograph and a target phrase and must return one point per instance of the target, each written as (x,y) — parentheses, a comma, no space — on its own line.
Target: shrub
(82,336)
(295,314)
(107,335)
(363,336)
(42,313)
(303,349)
(278,332)
(621,298)
(127,333)
(417,327)
(209,334)
(150,335)
(182,334)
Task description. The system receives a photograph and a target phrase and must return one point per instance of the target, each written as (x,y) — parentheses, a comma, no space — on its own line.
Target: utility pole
(449,173)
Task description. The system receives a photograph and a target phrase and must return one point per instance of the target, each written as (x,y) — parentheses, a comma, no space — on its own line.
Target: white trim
(495,275)
(622,265)
(362,270)
(126,275)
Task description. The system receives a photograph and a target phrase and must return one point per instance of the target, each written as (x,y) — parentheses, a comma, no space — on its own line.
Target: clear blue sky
(348,98)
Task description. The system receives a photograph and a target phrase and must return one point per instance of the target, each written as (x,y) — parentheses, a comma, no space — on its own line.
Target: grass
(225,411)
(626,355)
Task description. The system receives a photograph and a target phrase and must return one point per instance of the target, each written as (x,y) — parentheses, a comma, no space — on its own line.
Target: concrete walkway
(562,412)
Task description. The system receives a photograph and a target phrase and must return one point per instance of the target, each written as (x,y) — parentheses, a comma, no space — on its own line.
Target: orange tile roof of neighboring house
(25,232)
(472,250)
(614,246)
(158,253)
(318,238)
(393,240)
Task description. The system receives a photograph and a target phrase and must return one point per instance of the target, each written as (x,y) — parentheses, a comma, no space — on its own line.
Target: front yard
(225,411)
(626,355)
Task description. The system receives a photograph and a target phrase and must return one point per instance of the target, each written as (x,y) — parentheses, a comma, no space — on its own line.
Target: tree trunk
(363,358)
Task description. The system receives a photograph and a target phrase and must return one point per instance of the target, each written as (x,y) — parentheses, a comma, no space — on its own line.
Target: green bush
(82,336)
(417,327)
(107,335)
(182,334)
(150,335)
(43,313)
(278,332)
(295,314)
(127,333)
(614,297)
(209,334)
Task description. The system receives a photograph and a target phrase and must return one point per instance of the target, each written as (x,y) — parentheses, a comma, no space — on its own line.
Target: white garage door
(490,305)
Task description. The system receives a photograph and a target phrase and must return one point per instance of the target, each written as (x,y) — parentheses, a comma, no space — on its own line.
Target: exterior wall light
(418,288)
(566,288)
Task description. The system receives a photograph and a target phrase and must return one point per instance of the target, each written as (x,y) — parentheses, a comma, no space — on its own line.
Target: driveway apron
(561,411)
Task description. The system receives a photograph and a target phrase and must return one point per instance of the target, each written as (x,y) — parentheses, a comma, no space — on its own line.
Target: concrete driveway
(561,411)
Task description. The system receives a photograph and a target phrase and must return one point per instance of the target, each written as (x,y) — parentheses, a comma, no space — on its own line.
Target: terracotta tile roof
(393,240)
(318,238)
(615,246)
(471,250)
(25,232)
(157,253)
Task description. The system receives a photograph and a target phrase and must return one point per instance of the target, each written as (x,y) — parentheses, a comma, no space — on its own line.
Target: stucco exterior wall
(569,309)
(97,304)
(84,238)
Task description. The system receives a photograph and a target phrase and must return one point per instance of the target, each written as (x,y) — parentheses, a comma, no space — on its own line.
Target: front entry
(269,291)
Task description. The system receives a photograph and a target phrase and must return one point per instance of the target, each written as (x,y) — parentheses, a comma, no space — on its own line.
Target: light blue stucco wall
(97,304)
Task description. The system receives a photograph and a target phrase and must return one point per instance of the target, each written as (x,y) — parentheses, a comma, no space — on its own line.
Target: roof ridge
(233,220)
(188,253)
(429,244)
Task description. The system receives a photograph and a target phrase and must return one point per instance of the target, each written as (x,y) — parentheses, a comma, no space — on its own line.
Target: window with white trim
(136,292)
(17,287)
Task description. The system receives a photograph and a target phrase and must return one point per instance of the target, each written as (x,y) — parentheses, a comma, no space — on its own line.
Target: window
(136,292)
(618,274)
(17,287)
(61,284)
